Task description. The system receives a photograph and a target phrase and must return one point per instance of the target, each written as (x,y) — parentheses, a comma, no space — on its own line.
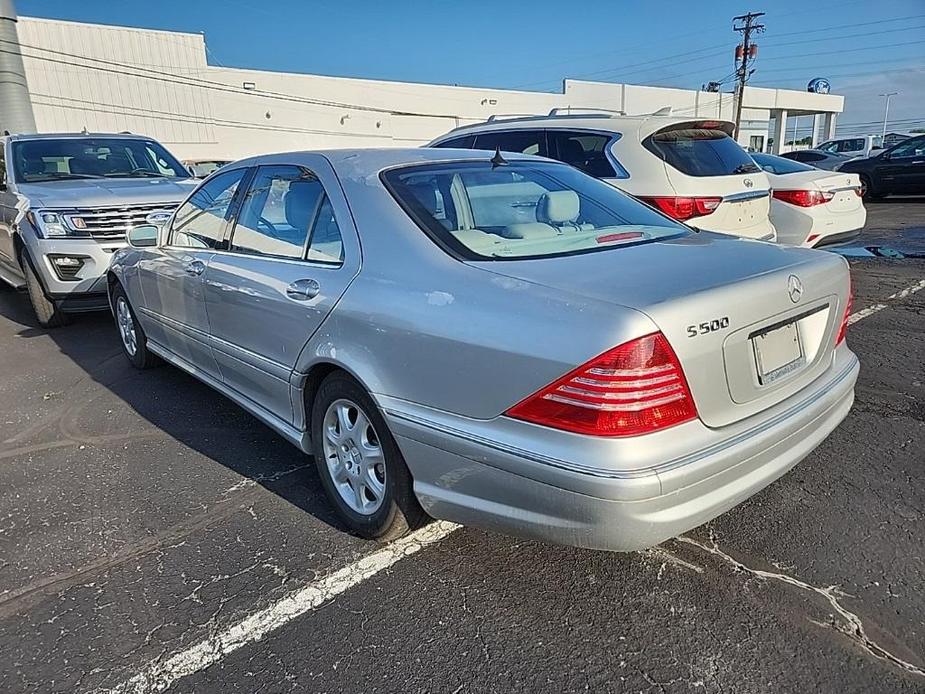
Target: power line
(182,80)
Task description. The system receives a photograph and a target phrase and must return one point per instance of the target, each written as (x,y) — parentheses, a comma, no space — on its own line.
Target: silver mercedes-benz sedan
(497,340)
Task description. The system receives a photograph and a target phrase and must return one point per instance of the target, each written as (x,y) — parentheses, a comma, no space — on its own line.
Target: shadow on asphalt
(182,407)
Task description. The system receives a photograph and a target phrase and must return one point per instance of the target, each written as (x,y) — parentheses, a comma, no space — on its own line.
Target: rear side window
(523,141)
(464,142)
(586,152)
(700,152)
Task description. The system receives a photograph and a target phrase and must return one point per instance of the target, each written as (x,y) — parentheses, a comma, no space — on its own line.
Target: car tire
(361,468)
(868,192)
(46,311)
(131,334)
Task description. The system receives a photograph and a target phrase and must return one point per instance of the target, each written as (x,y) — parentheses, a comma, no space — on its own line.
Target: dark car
(829,161)
(897,170)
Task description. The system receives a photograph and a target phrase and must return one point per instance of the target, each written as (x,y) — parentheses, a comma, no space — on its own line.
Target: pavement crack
(852,625)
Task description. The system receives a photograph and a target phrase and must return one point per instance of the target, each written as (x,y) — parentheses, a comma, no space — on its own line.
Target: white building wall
(109,79)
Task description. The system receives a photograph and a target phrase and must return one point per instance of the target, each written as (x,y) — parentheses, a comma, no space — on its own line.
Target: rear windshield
(700,152)
(49,159)
(780,165)
(522,210)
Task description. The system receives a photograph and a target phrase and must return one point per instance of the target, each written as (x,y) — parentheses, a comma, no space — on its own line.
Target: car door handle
(195,267)
(303,290)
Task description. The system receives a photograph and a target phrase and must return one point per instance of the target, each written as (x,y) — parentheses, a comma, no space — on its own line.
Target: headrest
(300,203)
(558,207)
(425,194)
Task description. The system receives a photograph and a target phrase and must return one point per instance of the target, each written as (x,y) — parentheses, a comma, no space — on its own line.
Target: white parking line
(870,310)
(159,674)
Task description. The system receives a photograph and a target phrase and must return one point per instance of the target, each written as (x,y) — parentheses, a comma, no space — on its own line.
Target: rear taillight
(843,328)
(804,198)
(684,208)
(636,388)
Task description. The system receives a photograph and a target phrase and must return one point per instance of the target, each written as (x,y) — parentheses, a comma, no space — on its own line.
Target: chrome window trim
(747,195)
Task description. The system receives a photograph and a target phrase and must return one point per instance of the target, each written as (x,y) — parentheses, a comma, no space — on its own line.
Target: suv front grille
(114,222)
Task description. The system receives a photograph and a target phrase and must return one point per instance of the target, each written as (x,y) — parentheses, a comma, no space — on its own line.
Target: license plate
(778,352)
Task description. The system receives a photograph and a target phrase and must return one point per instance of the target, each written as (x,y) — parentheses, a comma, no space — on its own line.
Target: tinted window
(585,151)
(523,141)
(326,245)
(464,142)
(200,221)
(779,165)
(914,147)
(523,209)
(700,152)
(277,212)
(52,159)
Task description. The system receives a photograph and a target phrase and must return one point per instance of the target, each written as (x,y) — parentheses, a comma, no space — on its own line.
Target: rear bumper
(836,239)
(477,483)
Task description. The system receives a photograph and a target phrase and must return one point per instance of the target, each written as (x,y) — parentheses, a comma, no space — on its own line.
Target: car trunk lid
(842,186)
(726,307)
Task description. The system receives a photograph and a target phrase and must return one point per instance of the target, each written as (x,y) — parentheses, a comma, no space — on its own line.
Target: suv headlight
(55,223)
(49,224)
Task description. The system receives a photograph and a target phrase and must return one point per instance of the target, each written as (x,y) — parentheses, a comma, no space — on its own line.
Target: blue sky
(864,47)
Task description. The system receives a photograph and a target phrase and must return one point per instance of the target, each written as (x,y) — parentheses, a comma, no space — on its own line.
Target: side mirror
(143,236)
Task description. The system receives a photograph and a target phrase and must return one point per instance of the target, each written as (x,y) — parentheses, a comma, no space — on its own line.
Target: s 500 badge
(709,327)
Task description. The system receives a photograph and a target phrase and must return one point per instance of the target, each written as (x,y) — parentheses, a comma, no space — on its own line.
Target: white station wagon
(689,169)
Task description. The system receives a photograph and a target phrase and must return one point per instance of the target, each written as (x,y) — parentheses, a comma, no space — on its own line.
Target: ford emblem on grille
(794,288)
(158,217)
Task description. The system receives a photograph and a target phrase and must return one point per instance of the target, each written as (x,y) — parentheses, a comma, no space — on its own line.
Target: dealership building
(58,76)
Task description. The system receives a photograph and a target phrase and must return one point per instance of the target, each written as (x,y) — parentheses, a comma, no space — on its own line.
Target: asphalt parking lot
(153,535)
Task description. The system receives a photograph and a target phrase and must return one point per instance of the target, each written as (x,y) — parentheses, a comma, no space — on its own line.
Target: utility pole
(886,112)
(746,51)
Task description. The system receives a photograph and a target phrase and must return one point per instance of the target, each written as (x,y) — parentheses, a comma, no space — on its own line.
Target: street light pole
(886,112)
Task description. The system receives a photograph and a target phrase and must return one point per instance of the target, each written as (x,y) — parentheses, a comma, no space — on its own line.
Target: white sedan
(812,207)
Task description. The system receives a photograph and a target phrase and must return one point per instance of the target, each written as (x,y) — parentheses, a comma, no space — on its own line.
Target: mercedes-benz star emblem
(794,288)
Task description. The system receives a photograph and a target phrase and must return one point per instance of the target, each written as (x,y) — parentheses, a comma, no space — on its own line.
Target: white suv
(690,169)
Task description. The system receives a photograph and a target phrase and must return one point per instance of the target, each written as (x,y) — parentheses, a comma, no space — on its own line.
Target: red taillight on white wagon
(684,208)
(636,388)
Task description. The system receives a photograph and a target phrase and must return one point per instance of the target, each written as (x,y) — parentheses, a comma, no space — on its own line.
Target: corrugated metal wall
(109,79)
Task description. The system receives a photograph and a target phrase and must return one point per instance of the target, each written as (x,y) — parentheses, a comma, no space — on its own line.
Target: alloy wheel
(126,326)
(354,456)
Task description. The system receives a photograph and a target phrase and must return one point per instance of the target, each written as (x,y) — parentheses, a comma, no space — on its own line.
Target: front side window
(914,147)
(523,209)
(700,151)
(200,221)
(50,159)
(522,141)
(779,165)
(277,212)
(586,152)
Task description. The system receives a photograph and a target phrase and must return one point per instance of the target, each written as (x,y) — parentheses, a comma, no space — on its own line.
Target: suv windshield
(48,159)
(700,152)
(522,209)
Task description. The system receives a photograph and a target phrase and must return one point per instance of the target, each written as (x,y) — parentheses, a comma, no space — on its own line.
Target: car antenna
(498,160)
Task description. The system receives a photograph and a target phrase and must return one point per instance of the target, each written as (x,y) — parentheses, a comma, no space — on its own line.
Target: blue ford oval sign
(819,85)
(158,217)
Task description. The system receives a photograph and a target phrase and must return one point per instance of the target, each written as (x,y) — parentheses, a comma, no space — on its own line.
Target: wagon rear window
(700,152)
(522,209)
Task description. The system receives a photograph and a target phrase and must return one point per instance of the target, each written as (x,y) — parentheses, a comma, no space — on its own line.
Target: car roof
(643,125)
(21,137)
(375,160)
